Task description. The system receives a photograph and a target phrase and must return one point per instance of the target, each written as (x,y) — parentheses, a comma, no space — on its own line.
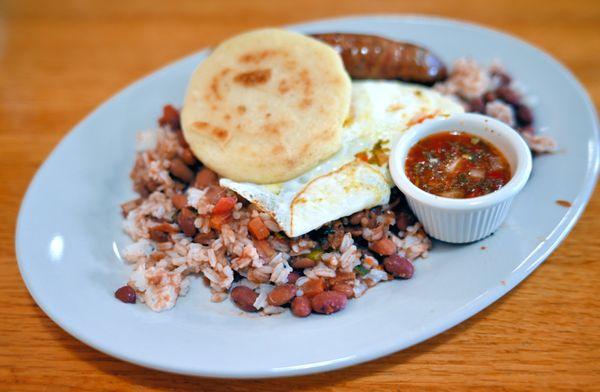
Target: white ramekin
(463,220)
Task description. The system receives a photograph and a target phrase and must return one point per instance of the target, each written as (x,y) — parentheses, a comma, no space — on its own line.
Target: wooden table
(58,60)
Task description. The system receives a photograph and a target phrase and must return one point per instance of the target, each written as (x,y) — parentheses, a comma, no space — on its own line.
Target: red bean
(399,267)
(244,298)
(281,295)
(180,170)
(126,294)
(384,247)
(328,302)
(301,307)
(186,219)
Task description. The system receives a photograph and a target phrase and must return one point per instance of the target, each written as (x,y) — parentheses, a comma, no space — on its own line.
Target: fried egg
(357,176)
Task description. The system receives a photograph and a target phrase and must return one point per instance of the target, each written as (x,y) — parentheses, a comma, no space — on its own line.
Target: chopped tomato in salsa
(457,165)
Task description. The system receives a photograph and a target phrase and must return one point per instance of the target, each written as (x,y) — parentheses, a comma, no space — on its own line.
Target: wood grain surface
(59,60)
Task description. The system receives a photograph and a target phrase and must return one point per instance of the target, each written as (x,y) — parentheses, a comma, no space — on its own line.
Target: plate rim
(554,239)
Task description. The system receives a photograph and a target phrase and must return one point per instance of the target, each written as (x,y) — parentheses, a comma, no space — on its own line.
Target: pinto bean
(399,267)
(301,307)
(503,77)
(179,200)
(313,287)
(257,276)
(205,238)
(302,262)
(524,115)
(384,247)
(126,294)
(373,57)
(150,186)
(244,298)
(181,171)
(178,187)
(343,288)
(281,295)
(185,220)
(526,129)
(508,95)
(356,218)
(214,193)
(293,277)
(188,157)
(181,139)
(489,96)
(328,302)
(403,220)
(205,177)
(158,236)
(170,118)
(477,105)
(160,233)
(342,277)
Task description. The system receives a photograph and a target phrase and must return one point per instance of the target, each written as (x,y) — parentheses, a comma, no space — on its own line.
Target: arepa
(266,106)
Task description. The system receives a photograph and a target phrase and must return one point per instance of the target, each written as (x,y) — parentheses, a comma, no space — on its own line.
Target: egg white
(380,111)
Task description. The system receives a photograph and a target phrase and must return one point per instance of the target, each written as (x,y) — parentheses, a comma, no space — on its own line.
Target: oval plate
(69,231)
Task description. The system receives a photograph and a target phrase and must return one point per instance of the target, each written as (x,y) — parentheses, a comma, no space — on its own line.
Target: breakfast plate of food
(354,186)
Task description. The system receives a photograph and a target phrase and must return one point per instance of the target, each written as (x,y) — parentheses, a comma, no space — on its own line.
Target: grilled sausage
(373,57)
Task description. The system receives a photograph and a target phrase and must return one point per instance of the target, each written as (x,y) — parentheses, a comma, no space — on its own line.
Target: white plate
(69,230)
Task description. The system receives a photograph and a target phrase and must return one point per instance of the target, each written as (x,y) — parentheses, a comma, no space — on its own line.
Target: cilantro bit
(362,271)
(315,254)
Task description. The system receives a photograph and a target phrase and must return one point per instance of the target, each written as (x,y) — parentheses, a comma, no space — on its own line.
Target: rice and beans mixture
(185,225)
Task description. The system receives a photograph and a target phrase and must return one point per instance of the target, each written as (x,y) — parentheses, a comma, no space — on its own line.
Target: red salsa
(457,165)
